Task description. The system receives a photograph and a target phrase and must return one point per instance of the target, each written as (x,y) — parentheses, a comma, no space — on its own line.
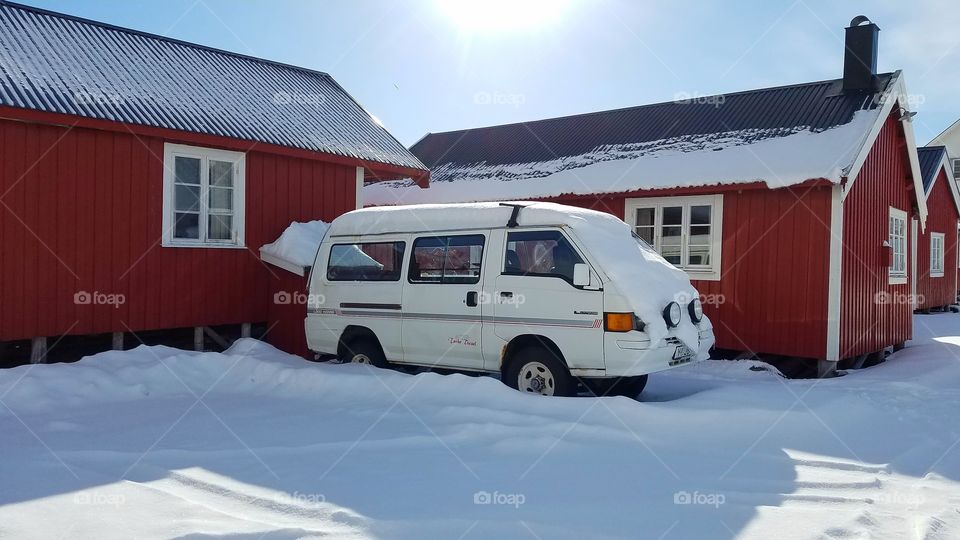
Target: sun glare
(489,15)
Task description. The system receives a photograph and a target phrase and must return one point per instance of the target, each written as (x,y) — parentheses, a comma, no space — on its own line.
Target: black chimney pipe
(860,55)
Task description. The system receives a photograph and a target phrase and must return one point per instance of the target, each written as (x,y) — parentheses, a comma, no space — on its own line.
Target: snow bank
(779,158)
(254,443)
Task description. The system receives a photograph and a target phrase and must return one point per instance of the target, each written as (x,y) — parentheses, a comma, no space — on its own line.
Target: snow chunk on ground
(779,158)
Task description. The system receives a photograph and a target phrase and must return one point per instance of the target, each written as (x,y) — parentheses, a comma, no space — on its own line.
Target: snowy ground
(255,444)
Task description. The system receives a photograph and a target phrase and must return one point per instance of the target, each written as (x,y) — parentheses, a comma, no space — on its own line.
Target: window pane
(672,232)
(462,261)
(540,253)
(646,233)
(186,198)
(186,226)
(447,259)
(671,253)
(645,216)
(221,198)
(220,227)
(221,173)
(699,255)
(699,215)
(672,215)
(700,234)
(379,261)
(187,170)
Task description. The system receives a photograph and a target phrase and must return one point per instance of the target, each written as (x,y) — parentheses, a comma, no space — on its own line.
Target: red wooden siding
(942,218)
(873,313)
(287,312)
(772,294)
(81,209)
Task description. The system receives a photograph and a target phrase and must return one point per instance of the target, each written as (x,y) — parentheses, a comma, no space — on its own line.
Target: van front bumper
(625,357)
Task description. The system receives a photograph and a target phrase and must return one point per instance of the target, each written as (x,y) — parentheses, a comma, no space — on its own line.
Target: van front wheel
(535,370)
(363,351)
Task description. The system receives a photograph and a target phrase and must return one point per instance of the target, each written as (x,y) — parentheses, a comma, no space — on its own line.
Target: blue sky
(438,65)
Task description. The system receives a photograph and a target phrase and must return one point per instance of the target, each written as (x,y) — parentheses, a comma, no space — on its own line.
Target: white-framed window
(686,231)
(897,239)
(937,245)
(203,197)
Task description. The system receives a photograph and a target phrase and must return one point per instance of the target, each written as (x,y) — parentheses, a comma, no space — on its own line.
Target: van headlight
(696,310)
(671,314)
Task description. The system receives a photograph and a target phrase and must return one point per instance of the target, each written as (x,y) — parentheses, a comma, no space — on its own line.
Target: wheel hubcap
(536,378)
(361,359)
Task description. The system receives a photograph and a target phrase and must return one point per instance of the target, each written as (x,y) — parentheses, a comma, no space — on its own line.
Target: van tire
(363,351)
(540,364)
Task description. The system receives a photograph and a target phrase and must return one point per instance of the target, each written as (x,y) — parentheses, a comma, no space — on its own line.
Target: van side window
(380,261)
(446,259)
(540,253)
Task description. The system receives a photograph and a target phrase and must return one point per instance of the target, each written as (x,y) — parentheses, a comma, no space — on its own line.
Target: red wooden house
(139,175)
(935,249)
(789,207)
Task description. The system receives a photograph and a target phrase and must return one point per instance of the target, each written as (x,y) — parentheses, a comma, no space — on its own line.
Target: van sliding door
(441,301)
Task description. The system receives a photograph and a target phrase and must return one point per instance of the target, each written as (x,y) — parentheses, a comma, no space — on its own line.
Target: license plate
(682,352)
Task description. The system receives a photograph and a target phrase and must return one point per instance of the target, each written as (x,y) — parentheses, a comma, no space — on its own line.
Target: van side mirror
(581,275)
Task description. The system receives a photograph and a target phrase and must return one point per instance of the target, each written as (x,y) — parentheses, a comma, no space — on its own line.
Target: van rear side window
(380,261)
(447,259)
(540,253)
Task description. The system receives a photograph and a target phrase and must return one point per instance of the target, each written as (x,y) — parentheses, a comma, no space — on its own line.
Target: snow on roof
(62,64)
(779,158)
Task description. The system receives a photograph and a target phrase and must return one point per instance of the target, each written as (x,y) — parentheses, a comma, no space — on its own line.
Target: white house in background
(950,138)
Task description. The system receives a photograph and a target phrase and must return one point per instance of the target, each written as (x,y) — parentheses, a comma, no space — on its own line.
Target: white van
(541,293)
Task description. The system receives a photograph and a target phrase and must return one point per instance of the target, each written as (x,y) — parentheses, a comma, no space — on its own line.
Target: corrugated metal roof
(815,106)
(930,158)
(57,63)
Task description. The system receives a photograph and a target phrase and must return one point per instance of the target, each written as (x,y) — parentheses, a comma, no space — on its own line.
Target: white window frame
(711,272)
(938,244)
(172,151)
(897,277)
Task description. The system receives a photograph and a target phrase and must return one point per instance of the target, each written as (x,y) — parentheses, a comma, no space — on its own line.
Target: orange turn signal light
(618,322)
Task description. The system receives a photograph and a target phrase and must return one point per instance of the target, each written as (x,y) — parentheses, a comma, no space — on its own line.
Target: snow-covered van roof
(57,63)
(780,136)
(420,218)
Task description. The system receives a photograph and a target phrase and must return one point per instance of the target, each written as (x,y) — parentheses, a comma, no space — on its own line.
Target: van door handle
(472,299)
(506,294)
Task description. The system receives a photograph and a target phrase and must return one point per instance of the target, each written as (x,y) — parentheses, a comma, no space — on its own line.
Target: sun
(496,15)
